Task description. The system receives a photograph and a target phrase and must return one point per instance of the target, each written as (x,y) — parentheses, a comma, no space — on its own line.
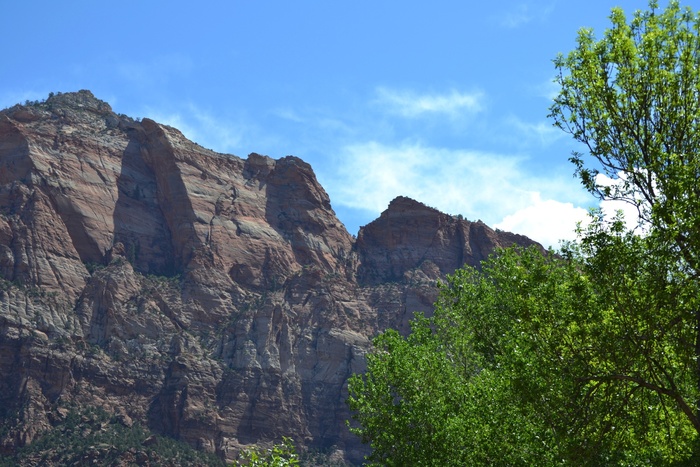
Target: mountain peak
(405,204)
(82,99)
(222,295)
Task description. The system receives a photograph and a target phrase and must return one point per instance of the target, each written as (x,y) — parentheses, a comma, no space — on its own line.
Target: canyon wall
(214,299)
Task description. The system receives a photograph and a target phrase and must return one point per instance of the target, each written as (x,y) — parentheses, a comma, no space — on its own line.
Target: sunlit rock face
(214,299)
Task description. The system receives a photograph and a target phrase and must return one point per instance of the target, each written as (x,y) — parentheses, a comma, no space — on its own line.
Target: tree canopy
(590,355)
(538,360)
(633,99)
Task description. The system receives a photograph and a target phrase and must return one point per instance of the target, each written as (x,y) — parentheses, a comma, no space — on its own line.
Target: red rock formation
(410,235)
(215,299)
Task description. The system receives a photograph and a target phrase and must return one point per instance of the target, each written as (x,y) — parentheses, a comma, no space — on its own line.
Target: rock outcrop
(214,299)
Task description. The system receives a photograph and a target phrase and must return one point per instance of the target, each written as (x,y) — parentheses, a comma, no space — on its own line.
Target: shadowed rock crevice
(184,225)
(15,163)
(139,223)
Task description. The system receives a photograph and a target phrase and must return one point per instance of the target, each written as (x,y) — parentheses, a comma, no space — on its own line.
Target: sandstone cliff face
(410,235)
(214,299)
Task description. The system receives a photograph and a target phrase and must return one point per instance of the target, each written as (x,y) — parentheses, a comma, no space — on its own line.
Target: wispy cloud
(542,133)
(211,131)
(289,114)
(548,89)
(410,104)
(517,17)
(363,167)
(376,173)
(524,13)
(175,120)
(493,187)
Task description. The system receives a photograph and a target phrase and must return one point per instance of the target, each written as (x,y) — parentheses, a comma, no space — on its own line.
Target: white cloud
(409,104)
(547,221)
(550,221)
(376,173)
(544,133)
(206,129)
(548,89)
(495,188)
(517,17)
(611,207)
(287,113)
(524,13)
(175,120)
(226,135)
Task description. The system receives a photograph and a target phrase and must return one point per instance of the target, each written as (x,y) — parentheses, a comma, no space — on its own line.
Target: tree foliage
(633,99)
(590,356)
(91,436)
(537,359)
(439,395)
(280,455)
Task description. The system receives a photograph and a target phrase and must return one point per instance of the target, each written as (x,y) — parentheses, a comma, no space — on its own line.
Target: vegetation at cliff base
(280,455)
(91,436)
(590,356)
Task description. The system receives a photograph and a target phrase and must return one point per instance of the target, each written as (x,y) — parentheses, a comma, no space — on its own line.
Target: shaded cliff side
(214,299)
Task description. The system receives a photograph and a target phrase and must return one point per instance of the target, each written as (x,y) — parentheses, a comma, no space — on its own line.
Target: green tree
(633,99)
(439,396)
(537,360)
(591,356)
(280,455)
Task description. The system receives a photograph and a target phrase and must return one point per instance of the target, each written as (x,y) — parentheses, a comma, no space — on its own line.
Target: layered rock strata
(215,299)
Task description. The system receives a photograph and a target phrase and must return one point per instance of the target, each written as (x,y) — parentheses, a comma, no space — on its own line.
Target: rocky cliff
(213,299)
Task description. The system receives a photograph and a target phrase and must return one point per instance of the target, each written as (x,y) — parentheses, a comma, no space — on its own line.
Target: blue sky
(443,101)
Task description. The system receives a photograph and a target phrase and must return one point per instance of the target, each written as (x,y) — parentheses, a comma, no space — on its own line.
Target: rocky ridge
(214,299)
